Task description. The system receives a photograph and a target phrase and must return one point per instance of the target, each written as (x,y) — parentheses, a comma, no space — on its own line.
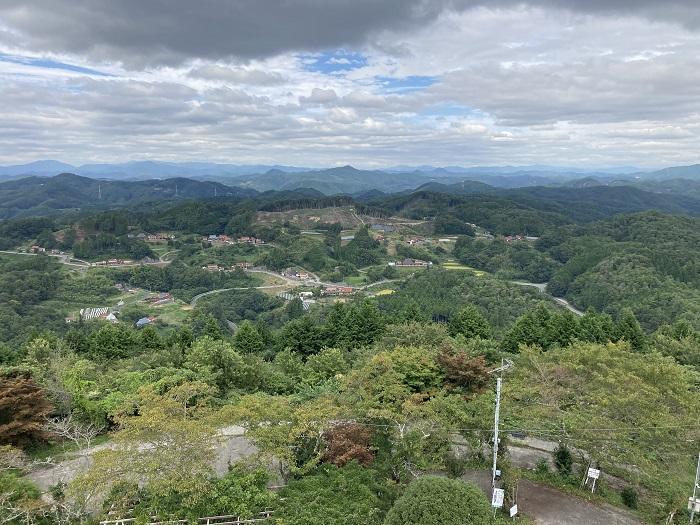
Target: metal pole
(695,489)
(495,434)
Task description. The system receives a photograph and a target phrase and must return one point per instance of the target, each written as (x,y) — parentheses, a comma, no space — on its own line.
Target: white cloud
(515,85)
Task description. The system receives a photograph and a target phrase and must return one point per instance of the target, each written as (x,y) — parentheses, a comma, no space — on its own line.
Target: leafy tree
(469,322)
(241,492)
(433,500)
(175,468)
(463,370)
(23,410)
(279,426)
(295,308)
(215,362)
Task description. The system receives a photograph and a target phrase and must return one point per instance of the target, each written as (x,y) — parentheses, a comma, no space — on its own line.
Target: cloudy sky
(371,83)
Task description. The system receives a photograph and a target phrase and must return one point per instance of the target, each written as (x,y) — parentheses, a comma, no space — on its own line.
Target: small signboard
(513,511)
(697,504)
(497,498)
(593,473)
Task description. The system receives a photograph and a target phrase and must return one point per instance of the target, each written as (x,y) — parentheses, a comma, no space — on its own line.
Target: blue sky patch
(405,84)
(334,62)
(50,64)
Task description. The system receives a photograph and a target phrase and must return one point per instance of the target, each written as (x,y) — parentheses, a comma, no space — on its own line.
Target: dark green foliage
(302,336)
(431,500)
(333,495)
(628,329)
(630,497)
(469,322)
(351,326)
(563,459)
(247,339)
(512,260)
(105,245)
(440,294)
(449,224)
(363,250)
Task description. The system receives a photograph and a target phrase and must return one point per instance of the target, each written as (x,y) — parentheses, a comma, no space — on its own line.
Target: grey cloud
(234,75)
(156,32)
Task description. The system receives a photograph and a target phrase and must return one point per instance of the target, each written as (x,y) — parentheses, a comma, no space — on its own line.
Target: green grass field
(452,265)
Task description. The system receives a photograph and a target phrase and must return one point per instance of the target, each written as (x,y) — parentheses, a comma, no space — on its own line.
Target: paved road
(542,287)
(548,506)
(196,298)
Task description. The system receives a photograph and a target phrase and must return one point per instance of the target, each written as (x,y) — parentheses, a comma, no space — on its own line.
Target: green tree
(302,336)
(431,500)
(215,362)
(629,330)
(175,467)
(469,322)
(295,308)
(247,339)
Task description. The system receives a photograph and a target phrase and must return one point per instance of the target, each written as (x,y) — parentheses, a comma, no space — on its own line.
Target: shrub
(563,459)
(630,497)
(432,500)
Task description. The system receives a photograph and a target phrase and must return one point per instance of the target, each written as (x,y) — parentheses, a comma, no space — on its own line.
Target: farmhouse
(411,263)
(338,290)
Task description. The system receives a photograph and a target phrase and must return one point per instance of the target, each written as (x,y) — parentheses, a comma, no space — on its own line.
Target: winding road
(542,287)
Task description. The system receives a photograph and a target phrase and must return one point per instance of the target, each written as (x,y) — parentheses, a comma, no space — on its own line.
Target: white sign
(697,504)
(497,498)
(593,473)
(513,511)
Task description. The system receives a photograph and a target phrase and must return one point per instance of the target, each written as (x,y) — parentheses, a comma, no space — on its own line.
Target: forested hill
(345,179)
(46,195)
(592,203)
(533,209)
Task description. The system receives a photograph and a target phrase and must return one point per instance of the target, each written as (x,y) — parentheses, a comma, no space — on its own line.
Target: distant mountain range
(347,179)
(66,192)
(586,197)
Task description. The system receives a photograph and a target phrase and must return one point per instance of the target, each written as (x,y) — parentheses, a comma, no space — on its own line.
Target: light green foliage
(649,403)
(165,445)
(241,492)
(432,500)
(277,425)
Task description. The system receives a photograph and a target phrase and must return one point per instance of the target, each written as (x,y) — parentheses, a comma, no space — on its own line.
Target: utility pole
(496,417)
(696,486)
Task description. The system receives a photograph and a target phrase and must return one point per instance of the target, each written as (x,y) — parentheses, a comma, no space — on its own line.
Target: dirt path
(548,506)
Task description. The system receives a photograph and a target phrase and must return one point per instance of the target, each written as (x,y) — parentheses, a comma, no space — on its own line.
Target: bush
(630,497)
(563,459)
(431,500)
